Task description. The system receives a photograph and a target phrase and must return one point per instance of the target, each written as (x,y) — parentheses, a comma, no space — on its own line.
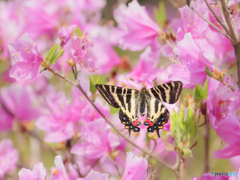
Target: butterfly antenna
(152,81)
(158,133)
(132,80)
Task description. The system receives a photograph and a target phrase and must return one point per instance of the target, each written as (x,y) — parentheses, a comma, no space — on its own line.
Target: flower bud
(183,131)
(71,62)
(209,72)
(187,153)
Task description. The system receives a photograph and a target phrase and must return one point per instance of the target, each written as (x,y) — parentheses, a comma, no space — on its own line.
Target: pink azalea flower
(92,5)
(6,120)
(189,74)
(58,124)
(189,52)
(207,176)
(8,157)
(89,113)
(95,175)
(65,33)
(141,30)
(97,140)
(102,53)
(39,172)
(45,17)
(135,167)
(80,47)
(165,155)
(26,58)
(223,50)
(9,23)
(73,171)
(191,22)
(12,98)
(146,69)
(235,161)
(193,63)
(59,172)
(222,107)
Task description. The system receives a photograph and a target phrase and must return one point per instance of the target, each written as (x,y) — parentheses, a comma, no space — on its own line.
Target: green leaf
(192,130)
(197,93)
(73,32)
(160,14)
(180,120)
(79,31)
(173,123)
(59,54)
(51,53)
(93,89)
(204,93)
(209,72)
(191,124)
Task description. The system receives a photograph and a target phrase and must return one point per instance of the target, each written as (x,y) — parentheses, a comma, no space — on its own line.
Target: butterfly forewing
(168,92)
(116,96)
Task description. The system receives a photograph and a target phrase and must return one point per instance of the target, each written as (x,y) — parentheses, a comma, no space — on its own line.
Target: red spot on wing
(135,122)
(149,122)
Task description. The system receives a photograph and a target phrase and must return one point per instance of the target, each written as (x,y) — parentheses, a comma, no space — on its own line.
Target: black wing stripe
(129,107)
(158,93)
(115,96)
(168,92)
(163,93)
(156,106)
(104,94)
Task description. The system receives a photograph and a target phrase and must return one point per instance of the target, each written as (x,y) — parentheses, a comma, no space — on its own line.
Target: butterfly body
(144,102)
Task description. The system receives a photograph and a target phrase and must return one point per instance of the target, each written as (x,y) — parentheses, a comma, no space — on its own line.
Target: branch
(206,148)
(128,140)
(62,77)
(177,167)
(216,16)
(43,144)
(223,33)
(226,14)
(183,168)
(131,142)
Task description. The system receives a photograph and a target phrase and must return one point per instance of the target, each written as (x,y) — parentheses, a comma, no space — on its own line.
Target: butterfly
(145,101)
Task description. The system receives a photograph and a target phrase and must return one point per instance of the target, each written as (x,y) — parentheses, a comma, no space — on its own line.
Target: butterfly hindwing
(126,100)
(116,96)
(128,116)
(157,115)
(168,92)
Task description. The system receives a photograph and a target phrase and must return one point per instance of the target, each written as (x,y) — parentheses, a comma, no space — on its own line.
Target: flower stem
(223,33)
(217,18)
(128,140)
(206,148)
(237,55)
(183,165)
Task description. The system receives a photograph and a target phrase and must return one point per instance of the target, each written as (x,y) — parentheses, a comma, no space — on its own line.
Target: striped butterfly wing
(128,115)
(116,96)
(168,92)
(126,100)
(157,115)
